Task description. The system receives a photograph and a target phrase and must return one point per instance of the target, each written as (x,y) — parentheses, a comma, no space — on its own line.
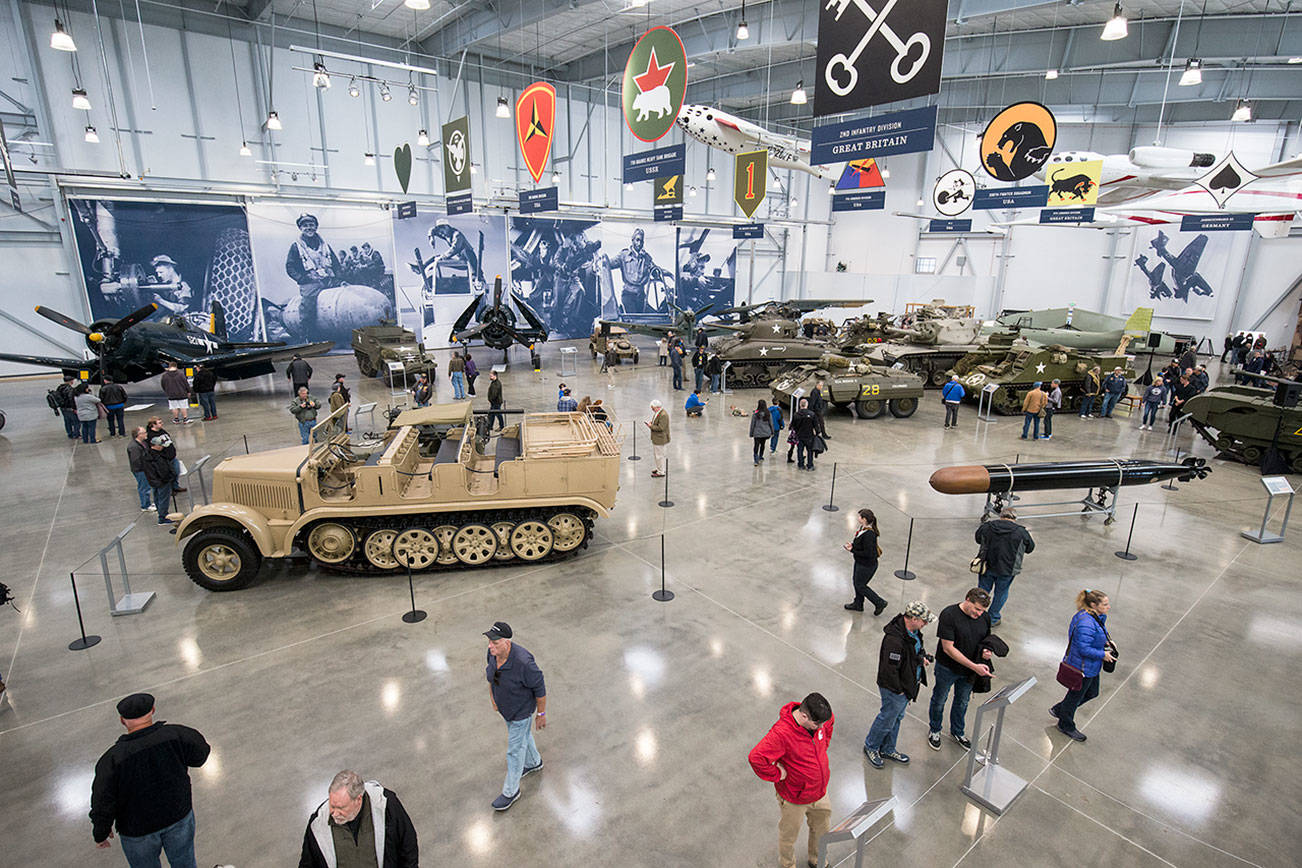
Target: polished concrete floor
(1192,757)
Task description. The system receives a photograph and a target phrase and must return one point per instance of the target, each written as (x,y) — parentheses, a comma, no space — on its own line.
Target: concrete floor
(1191,758)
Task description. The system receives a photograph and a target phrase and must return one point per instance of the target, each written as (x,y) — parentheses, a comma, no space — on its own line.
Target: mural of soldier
(638,271)
(314,266)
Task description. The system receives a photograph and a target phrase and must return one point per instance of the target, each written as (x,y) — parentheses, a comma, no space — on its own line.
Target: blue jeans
(773,441)
(208,401)
(1086,404)
(882,734)
(71,424)
(177,840)
(962,684)
(521,753)
(142,488)
(714,382)
(1027,419)
(163,500)
(458,385)
(88,431)
(1110,400)
(116,414)
(678,376)
(997,587)
(699,373)
(1150,412)
(305,430)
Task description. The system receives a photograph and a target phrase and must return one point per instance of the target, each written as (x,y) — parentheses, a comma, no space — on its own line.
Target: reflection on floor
(652,706)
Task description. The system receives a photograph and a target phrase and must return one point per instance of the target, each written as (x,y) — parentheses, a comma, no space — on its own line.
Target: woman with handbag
(761,429)
(866,551)
(1089,651)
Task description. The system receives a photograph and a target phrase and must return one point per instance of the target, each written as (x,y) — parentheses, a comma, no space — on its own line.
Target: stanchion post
(1170,483)
(85,641)
(662,596)
(830,506)
(666,503)
(908,546)
(415,616)
(246,444)
(635,456)
(1126,555)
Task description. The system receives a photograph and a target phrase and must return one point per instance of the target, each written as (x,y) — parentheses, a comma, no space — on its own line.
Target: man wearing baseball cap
(515,684)
(143,787)
(901,670)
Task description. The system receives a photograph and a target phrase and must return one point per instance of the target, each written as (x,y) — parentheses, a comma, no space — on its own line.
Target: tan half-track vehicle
(403,499)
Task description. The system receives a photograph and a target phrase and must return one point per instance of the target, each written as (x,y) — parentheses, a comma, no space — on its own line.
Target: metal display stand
(129,603)
(1104,503)
(723,379)
(396,368)
(985,404)
(853,828)
(569,361)
(368,409)
(197,471)
(1276,486)
(992,786)
(1169,443)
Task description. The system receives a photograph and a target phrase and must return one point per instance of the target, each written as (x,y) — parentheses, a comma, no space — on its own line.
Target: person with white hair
(659,425)
(360,823)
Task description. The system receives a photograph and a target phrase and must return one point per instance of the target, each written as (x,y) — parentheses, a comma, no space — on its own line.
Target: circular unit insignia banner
(655,83)
(953,192)
(1018,141)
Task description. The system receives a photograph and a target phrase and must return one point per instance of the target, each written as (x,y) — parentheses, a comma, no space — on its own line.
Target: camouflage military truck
(1243,420)
(530,495)
(1016,369)
(613,342)
(853,383)
(375,346)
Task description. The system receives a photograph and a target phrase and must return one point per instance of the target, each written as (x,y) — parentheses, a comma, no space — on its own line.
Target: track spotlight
(412,97)
(384,92)
(320,77)
(353,90)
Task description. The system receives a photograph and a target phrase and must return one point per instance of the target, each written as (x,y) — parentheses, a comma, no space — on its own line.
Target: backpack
(52,398)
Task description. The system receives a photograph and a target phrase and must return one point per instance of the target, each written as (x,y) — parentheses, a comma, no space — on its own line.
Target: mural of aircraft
(732,135)
(495,325)
(130,350)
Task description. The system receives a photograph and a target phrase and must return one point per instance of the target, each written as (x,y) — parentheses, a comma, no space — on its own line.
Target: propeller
(104,337)
(63,320)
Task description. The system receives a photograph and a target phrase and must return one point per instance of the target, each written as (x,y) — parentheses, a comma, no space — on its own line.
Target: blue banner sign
(950,226)
(649,165)
(748,230)
(406,210)
(860,200)
(1011,197)
(906,132)
(1216,222)
(1066,215)
(545,199)
(460,203)
(668,212)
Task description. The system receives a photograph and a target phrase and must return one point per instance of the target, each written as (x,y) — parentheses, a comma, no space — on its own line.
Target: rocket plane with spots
(732,135)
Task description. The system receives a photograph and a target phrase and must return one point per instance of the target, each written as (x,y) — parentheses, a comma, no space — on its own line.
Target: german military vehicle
(1016,369)
(613,342)
(853,383)
(755,355)
(377,345)
(1244,421)
(380,507)
(930,346)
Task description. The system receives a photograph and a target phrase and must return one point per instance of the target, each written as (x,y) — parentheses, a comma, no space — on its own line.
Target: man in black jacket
(298,372)
(142,787)
(361,823)
(1003,542)
(68,407)
(205,386)
(495,401)
(114,399)
(901,669)
(160,472)
(804,425)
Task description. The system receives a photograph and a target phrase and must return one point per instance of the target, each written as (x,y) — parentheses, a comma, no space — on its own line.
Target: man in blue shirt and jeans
(520,696)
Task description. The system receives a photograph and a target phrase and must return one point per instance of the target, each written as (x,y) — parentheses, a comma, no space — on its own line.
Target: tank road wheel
(331,543)
(1224,443)
(903,408)
(221,559)
(415,548)
(1252,454)
(364,364)
(443,535)
(568,531)
(871,409)
(379,549)
(503,530)
(531,540)
(937,377)
(474,544)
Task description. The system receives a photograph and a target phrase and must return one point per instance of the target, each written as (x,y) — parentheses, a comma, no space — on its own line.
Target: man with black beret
(515,685)
(142,786)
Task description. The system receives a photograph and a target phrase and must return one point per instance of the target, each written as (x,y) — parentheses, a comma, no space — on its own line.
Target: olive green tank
(1243,420)
(377,345)
(754,356)
(855,383)
(1016,369)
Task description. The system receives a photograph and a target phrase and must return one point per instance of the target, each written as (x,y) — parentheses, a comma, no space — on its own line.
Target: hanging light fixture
(273,120)
(384,92)
(320,77)
(628,186)
(418,5)
(91,135)
(60,40)
(1117,27)
(353,90)
(691,191)
(80,100)
(1193,72)
(1295,60)
(368,158)
(474,168)
(1050,74)
(556,177)
(743,32)
(919,203)
(422,139)
(245,150)
(1242,112)
(886,173)
(412,97)
(710,174)
(503,110)
(798,96)
(793,202)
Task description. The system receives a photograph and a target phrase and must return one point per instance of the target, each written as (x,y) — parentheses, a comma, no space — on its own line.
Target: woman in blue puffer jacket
(1088,648)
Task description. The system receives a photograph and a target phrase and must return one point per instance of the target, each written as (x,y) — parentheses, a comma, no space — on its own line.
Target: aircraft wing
(238,358)
(655,330)
(1287,167)
(49,361)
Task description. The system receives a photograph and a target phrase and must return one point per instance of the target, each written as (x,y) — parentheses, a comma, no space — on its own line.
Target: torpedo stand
(1103,503)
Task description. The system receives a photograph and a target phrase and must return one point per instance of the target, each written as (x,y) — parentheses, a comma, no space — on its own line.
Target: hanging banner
(647,165)
(750,180)
(668,191)
(655,83)
(1225,179)
(1074,185)
(544,199)
(456,155)
(402,164)
(667,213)
(1018,141)
(950,226)
(1179,273)
(906,132)
(1051,216)
(861,175)
(1216,222)
(461,203)
(1011,197)
(862,200)
(953,192)
(864,59)
(406,210)
(748,230)
(535,116)
(448,259)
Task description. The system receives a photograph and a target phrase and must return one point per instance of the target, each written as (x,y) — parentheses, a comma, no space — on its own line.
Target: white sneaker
(151,508)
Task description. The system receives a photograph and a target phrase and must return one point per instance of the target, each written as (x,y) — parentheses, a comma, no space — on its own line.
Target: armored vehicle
(930,346)
(755,356)
(377,345)
(530,495)
(869,389)
(1016,369)
(613,342)
(1244,420)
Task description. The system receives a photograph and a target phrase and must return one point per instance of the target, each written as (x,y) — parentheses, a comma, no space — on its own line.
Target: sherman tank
(930,346)
(1016,369)
(761,349)
(406,500)
(613,342)
(377,345)
(869,389)
(1243,421)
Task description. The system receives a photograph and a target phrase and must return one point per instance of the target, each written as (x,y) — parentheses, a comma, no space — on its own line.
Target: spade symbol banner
(1018,141)
(1225,179)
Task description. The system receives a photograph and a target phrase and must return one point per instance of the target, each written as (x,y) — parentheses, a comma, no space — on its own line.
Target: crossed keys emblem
(843,66)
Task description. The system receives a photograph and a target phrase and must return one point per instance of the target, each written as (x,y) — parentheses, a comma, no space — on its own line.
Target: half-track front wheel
(221,559)
(568,531)
(903,408)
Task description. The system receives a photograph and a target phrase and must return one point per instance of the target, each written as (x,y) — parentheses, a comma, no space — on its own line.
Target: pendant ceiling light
(80,100)
(1242,112)
(1050,74)
(1193,72)
(743,32)
(710,174)
(320,77)
(418,5)
(273,120)
(369,159)
(412,96)
(91,135)
(422,138)
(60,40)
(1116,28)
(503,109)
(245,150)
(798,96)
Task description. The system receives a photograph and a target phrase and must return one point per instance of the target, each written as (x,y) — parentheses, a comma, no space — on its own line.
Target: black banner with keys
(872,52)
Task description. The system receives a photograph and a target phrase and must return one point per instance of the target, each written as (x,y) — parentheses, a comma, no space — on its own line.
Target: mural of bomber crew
(638,270)
(314,266)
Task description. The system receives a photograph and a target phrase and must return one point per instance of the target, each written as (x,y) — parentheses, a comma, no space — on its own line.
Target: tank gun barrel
(1099,473)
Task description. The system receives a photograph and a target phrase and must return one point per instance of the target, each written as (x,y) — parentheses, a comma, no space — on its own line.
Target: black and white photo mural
(1182,274)
(706,269)
(558,268)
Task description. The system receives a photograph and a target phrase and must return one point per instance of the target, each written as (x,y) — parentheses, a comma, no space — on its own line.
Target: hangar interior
(653,705)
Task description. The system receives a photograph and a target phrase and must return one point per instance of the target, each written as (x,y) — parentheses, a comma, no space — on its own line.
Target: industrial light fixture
(273,120)
(368,158)
(743,32)
(1242,112)
(1050,74)
(320,77)
(353,90)
(418,5)
(412,97)
(556,177)
(474,168)
(798,96)
(80,100)
(691,191)
(91,135)
(422,139)
(710,174)
(1193,72)
(60,40)
(919,203)
(1117,27)
(886,173)
(793,202)
(245,150)
(628,186)
(384,92)
(503,110)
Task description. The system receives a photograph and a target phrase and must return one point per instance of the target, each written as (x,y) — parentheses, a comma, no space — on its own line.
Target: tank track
(756,373)
(357,563)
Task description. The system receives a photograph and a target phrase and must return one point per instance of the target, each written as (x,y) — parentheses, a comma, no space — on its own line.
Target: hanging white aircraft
(732,135)
(1139,173)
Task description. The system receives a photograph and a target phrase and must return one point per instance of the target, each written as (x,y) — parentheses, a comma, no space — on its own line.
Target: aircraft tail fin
(218,320)
(1274,225)
(1139,323)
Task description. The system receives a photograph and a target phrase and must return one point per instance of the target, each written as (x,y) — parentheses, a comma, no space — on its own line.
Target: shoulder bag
(978,564)
(1069,676)
(1108,666)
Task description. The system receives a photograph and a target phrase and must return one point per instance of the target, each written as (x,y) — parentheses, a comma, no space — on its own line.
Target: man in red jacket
(793,755)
